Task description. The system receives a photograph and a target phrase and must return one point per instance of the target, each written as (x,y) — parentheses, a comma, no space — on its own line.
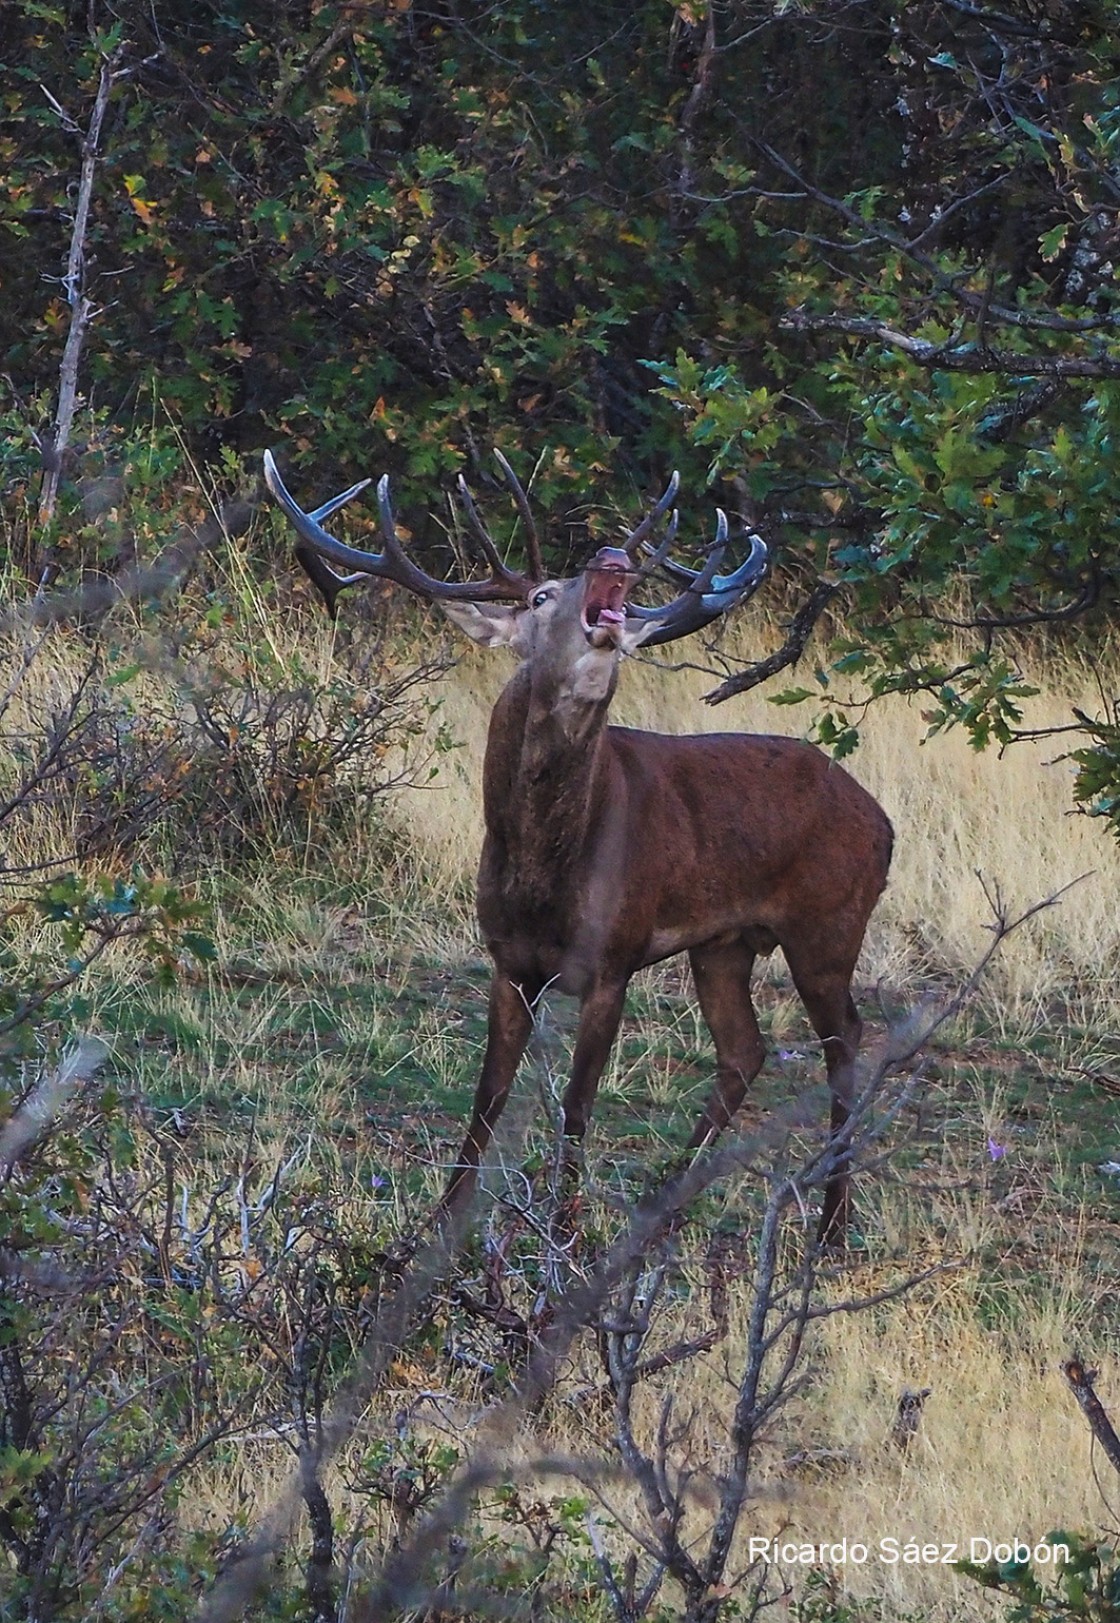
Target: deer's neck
(544,783)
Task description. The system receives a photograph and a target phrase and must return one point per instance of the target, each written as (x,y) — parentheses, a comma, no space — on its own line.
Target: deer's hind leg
(722,971)
(824,985)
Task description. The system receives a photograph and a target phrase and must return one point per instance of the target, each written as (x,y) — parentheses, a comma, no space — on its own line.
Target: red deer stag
(608,849)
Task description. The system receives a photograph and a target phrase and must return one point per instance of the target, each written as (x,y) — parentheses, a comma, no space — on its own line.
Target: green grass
(325,1031)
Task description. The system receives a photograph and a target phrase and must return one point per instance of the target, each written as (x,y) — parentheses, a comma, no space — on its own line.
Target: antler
(316,545)
(482,534)
(637,536)
(706,595)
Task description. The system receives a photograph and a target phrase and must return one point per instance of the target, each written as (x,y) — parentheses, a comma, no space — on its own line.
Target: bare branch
(81,305)
(79,1064)
(1081,1384)
(139,582)
(951,356)
(801,628)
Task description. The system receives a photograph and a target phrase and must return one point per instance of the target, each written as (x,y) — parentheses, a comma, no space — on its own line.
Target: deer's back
(746,831)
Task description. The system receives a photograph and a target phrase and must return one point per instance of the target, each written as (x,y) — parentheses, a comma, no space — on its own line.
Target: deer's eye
(539,597)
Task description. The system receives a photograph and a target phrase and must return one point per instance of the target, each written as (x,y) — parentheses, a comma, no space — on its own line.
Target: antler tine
(498,567)
(327,581)
(659,555)
(317,545)
(663,503)
(318,514)
(393,548)
(698,580)
(706,595)
(703,578)
(521,500)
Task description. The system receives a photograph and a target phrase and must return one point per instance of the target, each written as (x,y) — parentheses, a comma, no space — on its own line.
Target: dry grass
(1001,1453)
(957,814)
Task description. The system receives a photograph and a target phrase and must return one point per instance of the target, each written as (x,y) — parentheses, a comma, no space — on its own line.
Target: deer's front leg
(510,1023)
(599,1016)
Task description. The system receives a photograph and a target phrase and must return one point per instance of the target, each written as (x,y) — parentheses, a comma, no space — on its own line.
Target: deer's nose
(611,561)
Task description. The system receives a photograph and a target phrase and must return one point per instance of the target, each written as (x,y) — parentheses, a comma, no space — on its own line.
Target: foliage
(1085,1587)
(92,913)
(198,732)
(401,235)
(933,412)
(868,252)
(1097,785)
(365,233)
(824,1600)
(239,745)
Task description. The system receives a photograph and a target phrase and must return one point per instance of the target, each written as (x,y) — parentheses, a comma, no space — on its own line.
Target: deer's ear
(494,625)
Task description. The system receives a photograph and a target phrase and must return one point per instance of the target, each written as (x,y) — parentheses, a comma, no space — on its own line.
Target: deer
(609,849)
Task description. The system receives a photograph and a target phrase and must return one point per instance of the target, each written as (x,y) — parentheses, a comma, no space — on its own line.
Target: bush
(205,740)
(1083,1589)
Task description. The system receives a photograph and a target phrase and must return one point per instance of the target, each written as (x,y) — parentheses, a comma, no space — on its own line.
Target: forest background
(849,266)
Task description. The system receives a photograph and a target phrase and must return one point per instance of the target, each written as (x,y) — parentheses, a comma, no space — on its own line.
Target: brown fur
(608,849)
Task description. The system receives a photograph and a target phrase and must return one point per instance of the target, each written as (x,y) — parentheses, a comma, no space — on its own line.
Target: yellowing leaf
(407,1374)
(144,207)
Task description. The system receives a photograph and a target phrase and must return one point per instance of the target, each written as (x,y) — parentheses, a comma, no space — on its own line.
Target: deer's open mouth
(606,581)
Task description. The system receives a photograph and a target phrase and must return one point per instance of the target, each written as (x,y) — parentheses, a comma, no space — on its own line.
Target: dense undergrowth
(849,266)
